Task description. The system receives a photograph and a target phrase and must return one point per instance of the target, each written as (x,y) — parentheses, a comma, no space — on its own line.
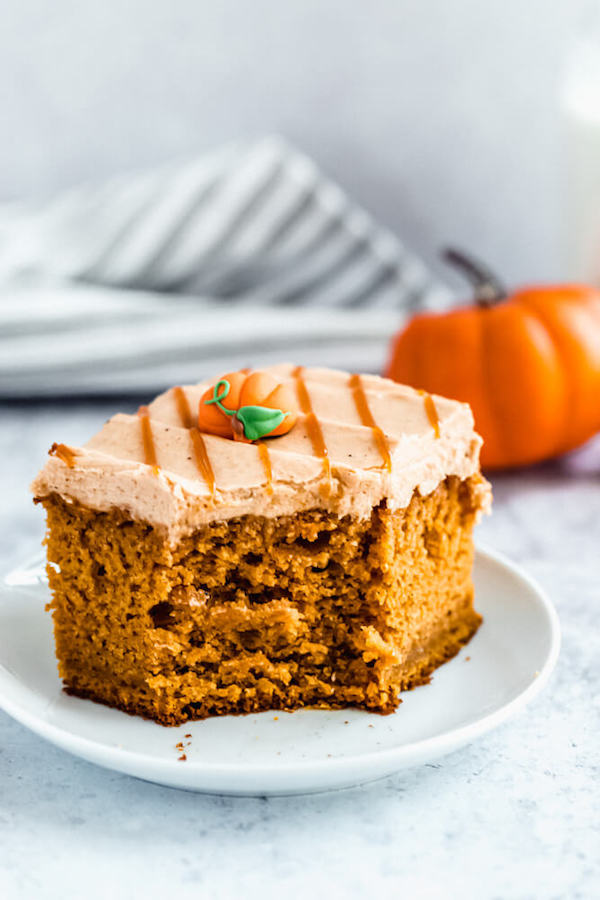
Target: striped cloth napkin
(245,256)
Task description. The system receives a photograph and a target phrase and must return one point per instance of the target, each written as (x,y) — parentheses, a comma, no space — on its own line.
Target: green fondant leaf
(258,421)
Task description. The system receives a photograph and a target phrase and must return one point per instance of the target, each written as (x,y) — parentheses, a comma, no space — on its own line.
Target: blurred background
(442,118)
(402,127)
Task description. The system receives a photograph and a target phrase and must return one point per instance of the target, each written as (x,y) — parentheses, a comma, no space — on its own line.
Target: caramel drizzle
(431,411)
(265,459)
(183,407)
(366,418)
(64,453)
(198,443)
(313,426)
(202,460)
(147,439)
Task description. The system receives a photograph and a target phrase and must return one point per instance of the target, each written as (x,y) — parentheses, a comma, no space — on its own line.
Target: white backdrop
(440,115)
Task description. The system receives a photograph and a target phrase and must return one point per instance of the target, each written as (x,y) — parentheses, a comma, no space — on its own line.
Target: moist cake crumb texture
(300,576)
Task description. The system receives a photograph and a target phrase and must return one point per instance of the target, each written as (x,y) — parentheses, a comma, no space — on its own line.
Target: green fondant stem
(216,397)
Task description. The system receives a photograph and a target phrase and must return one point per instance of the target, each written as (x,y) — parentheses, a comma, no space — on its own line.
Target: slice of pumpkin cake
(266,540)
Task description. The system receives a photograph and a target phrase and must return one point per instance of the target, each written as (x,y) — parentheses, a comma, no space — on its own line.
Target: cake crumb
(187,735)
(467,659)
(283,548)
(182,758)
(275,718)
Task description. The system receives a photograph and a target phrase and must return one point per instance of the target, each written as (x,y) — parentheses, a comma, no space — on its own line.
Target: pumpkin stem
(488,288)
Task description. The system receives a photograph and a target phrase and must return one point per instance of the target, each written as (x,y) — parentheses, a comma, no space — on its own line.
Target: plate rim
(392,758)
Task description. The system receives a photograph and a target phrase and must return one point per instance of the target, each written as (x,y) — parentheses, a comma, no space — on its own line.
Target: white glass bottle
(580,113)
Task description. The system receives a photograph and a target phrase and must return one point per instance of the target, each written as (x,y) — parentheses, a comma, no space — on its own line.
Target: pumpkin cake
(199,566)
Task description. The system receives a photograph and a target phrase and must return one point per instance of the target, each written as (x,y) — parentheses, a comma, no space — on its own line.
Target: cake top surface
(358,440)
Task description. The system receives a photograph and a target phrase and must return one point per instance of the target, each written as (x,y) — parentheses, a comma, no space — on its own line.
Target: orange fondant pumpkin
(211,419)
(528,364)
(247,407)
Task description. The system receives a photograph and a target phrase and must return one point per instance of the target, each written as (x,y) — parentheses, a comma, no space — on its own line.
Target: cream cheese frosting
(427,438)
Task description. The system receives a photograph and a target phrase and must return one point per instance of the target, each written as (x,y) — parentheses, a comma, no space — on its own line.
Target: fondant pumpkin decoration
(247,407)
(528,363)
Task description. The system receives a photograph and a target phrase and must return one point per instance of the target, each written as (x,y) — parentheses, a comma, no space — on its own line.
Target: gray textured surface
(441,117)
(512,816)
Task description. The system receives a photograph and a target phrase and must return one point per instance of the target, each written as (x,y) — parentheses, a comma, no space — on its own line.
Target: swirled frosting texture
(112,469)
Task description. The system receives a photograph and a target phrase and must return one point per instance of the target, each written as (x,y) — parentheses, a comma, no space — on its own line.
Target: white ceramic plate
(505,665)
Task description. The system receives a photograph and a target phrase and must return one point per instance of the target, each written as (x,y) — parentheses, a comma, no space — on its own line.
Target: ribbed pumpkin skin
(529,366)
(257,388)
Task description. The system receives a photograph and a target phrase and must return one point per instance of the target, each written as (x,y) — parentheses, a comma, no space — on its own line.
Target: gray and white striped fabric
(244,256)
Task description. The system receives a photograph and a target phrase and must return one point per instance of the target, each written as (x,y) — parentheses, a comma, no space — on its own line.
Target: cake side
(258,613)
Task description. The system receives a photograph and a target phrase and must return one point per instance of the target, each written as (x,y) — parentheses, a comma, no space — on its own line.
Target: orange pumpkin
(211,419)
(247,407)
(528,364)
